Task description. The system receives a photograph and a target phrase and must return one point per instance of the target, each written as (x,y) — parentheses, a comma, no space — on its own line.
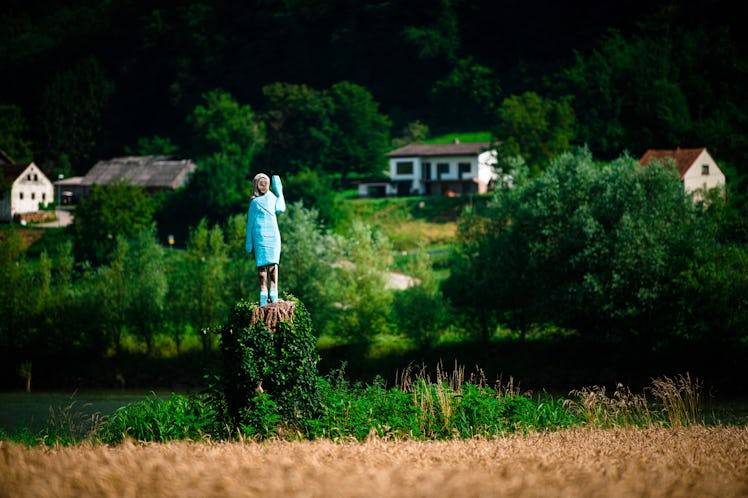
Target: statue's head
(260,185)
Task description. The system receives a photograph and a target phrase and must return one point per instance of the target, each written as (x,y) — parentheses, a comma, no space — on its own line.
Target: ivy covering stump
(269,355)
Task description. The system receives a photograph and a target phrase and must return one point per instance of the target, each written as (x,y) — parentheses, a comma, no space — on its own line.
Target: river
(20,410)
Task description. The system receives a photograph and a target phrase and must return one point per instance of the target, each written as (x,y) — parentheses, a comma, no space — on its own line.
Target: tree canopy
(117,209)
(94,78)
(608,250)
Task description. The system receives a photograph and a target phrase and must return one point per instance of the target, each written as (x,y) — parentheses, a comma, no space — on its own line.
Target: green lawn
(466,137)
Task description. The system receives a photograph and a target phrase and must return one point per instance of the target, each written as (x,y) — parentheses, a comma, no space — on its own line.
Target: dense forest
(319,92)
(89,80)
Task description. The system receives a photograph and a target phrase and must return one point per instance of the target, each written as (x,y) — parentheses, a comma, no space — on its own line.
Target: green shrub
(157,419)
(280,362)
(358,411)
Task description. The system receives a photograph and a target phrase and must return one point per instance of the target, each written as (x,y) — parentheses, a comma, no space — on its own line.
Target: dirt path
(64,218)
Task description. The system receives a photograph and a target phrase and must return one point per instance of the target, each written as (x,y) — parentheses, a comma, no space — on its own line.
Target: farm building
(153,173)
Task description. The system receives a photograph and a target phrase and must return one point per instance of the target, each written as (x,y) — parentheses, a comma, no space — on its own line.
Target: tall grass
(673,402)
(422,405)
(680,398)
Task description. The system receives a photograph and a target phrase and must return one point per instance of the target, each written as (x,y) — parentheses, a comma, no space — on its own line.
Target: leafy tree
(307,261)
(361,133)
(228,138)
(363,256)
(468,287)
(339,130)
(712,298)
(314,189)
(419,311)
(109,211)
(14,134)
(535,128)
(440,37)
(56,299)
(299,129)
(413,132)
(599,254)
(152,146)
(467,97)
(73,105)
(204,293)
(223,125)
(147,284)
(13,276)
(645,90)
(178,308)
(241,272)
(110,294)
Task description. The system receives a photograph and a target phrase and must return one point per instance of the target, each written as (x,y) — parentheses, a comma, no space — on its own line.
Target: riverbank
(557,366)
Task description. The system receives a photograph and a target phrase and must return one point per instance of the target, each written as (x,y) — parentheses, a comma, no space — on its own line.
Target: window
(21,195)
(33,196)
(464,168)
(44,196)
(28,177)
(36,177)
(704,169)
(404,168)
(442,169)
(426,171)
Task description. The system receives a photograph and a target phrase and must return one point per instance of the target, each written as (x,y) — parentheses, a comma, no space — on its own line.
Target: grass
(466,137)
(657,462)
(410,222)
(421,405)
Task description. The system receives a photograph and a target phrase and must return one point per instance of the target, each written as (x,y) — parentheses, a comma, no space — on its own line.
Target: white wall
(694,179)
(481,167)
(29,189)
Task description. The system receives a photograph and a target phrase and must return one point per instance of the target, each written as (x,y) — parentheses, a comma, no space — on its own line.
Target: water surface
(20,410)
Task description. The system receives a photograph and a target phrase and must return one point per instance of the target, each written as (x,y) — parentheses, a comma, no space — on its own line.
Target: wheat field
(696,461)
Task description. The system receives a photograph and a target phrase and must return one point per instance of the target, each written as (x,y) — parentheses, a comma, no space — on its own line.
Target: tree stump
(273,347)
(272,314)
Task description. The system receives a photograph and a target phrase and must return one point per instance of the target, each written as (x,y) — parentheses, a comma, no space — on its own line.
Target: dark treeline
(318,92)
(85,80)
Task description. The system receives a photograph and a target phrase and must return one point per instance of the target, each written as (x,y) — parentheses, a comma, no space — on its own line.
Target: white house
(29,188)
(442,169)
(437,169)
(698,171)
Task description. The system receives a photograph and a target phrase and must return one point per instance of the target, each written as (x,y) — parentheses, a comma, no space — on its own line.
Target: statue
(263,236)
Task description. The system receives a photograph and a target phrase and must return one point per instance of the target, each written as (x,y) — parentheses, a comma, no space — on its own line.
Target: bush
(156,419)
(270,350)
(356,411)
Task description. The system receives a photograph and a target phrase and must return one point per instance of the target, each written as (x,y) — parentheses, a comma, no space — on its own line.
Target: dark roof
(142,171)
(5,158)
(683,158)
(12,171)
(458,149)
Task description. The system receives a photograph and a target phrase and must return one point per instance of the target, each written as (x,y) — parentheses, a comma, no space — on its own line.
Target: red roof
(458,149)
(683,158)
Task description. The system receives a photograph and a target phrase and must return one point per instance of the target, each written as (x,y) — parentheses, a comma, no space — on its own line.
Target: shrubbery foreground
(269,388)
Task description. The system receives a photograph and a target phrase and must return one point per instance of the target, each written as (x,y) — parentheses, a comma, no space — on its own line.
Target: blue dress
(263,236)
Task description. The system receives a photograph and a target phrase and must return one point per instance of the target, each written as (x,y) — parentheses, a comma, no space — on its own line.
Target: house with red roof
(440,169)
(698,171)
